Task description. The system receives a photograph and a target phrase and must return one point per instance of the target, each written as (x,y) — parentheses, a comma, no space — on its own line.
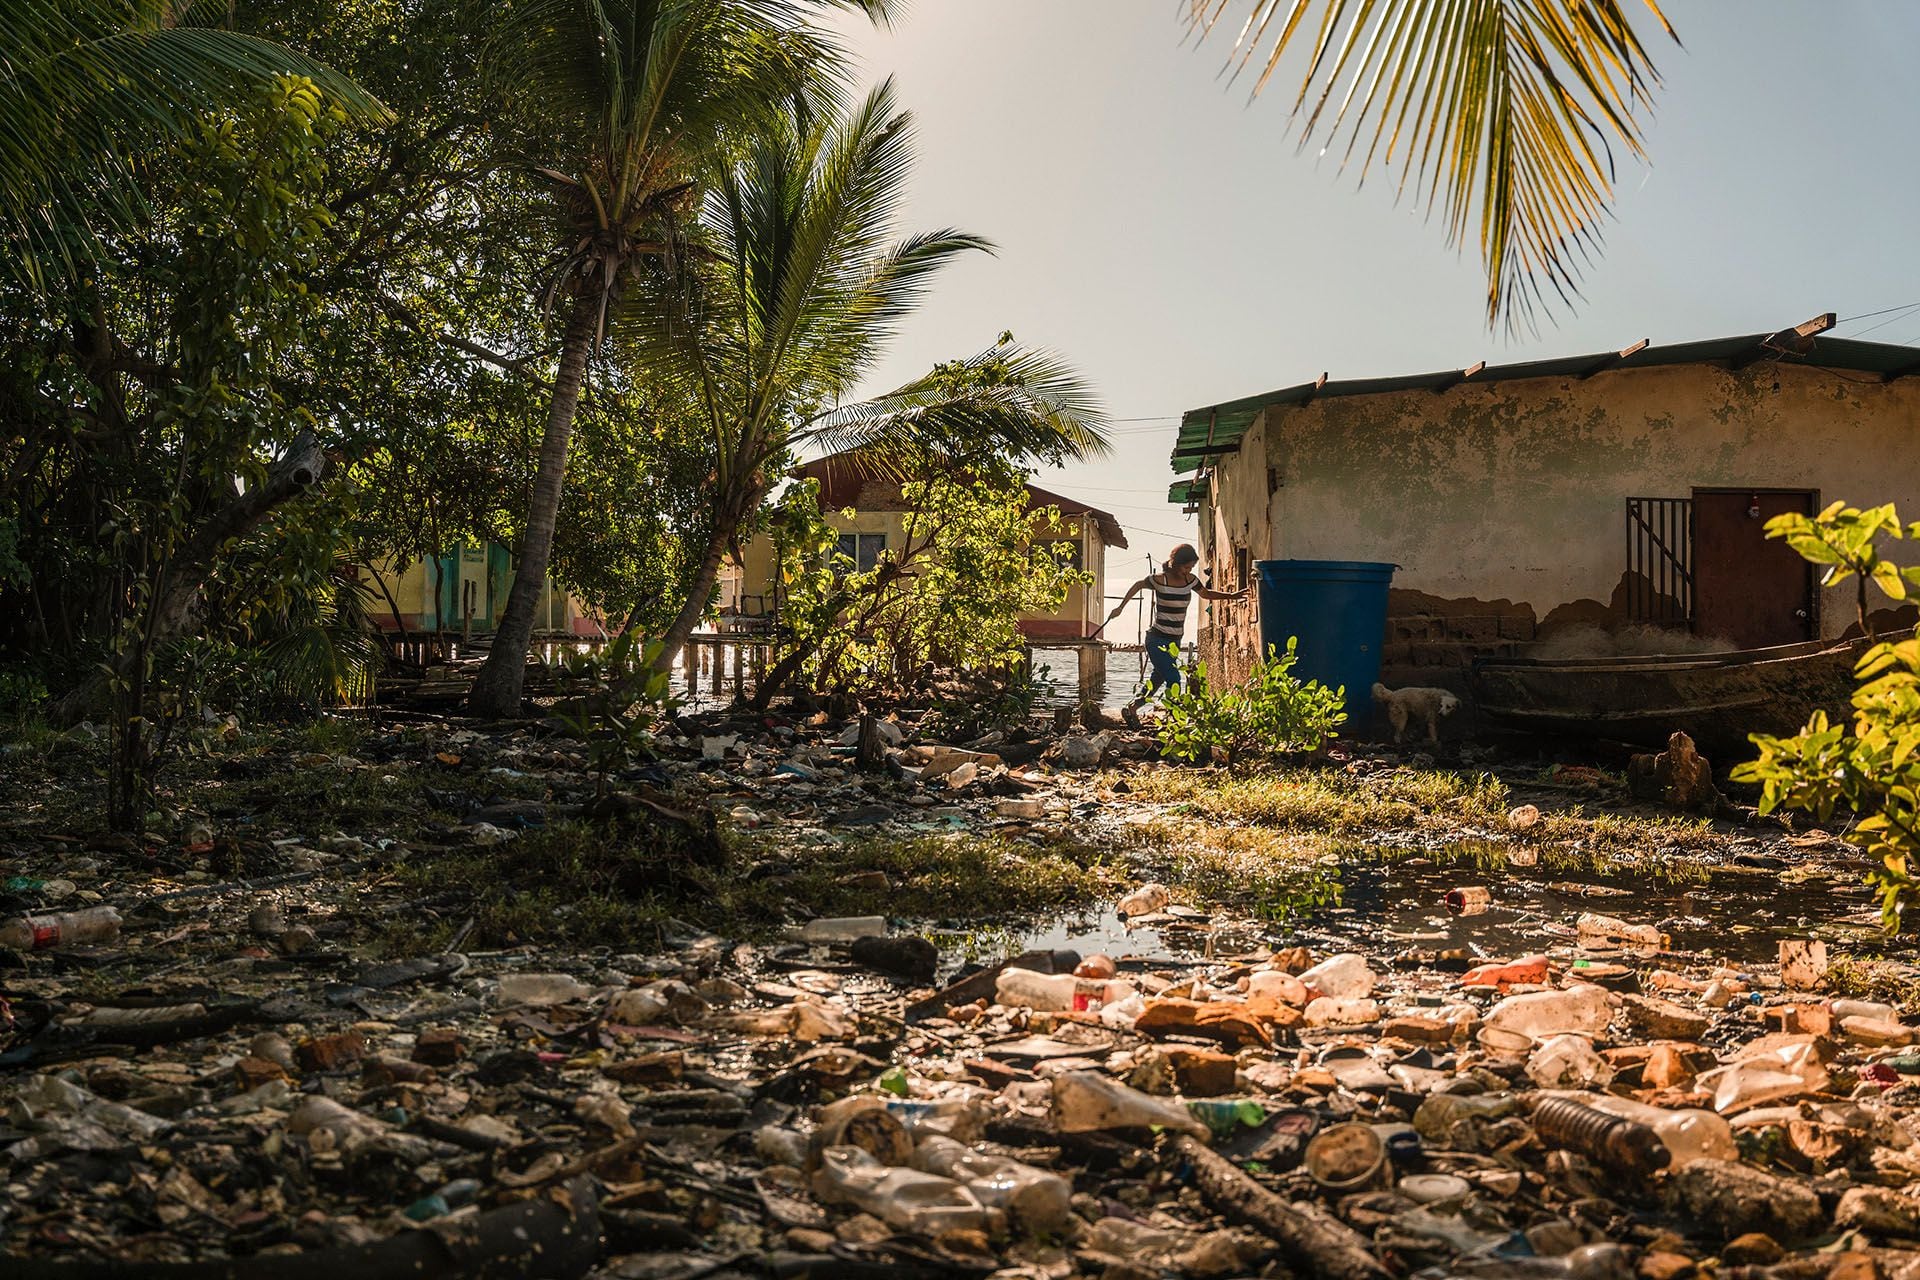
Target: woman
(1173,589)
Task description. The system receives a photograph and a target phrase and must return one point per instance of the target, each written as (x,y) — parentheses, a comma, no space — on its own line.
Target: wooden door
(1749,589)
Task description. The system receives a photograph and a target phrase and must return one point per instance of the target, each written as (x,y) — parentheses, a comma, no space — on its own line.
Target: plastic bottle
(1145,900)
(960,1118)
(1283,987)
(923,1203)
(1615,1141)
(841,929)
(1526,971)
(1088,1101)
(1786,1072)
(542,989)
(1096,966)
(1541,1014)
(1346,976)
(1870,1009)
(1224,1115)
(1609,930)
(68,929)
(1025,989)
(1038,1200)
(1469,900)
(1689,1134)
(1568,1062)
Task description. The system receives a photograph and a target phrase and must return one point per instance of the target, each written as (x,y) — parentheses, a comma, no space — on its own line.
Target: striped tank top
(1170,605)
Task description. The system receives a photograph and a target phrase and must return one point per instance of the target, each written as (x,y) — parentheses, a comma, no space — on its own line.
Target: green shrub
(1272,714)
(1875,769)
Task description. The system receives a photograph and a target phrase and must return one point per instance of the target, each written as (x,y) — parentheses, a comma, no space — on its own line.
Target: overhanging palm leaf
(85,85)
(1026,402)
(1507,106)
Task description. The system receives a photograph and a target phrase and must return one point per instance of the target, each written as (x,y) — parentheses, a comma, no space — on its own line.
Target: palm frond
(85,86)
(1501,114)
(1024,403)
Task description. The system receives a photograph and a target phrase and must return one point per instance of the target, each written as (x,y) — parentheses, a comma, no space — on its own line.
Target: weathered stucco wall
(1504,504)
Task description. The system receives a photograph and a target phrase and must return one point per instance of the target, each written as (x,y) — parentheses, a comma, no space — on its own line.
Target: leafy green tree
(1874,769)
(949,597)
(634,94)
(796,294)
(87,87)
(1498,112)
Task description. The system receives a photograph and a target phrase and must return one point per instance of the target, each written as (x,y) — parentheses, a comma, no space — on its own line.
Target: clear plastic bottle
(1689,1134)
(1038,1200)
(923,1203)
(1871,1009)
(1540,1014)
(1568,1062)
(542,989)
(841,929)
(1346,976)
(1612,931)
(1025,989)
(1088,1101)
(68,929)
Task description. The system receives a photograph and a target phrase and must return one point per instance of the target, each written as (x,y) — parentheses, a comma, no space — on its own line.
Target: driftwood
(1316,1242)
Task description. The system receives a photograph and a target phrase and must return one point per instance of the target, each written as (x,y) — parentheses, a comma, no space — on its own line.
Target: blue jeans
(1163,654)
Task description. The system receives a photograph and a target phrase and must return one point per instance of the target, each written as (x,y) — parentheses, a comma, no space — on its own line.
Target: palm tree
(85,87)
(636,94)
(802,291)
(1502,108)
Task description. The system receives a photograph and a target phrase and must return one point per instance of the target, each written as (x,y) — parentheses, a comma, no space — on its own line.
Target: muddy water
(1379,905)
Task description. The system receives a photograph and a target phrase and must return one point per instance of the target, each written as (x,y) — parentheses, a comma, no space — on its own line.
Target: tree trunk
(729,514)
(496,692)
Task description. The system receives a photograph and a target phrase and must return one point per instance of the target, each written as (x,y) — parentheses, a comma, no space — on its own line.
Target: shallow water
(1381,905)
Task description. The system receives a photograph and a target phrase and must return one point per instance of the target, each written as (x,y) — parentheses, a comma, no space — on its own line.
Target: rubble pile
(227,1074)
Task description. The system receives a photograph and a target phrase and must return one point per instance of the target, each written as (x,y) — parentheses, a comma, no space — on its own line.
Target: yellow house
(749,588)
(1615,490)
(465,590)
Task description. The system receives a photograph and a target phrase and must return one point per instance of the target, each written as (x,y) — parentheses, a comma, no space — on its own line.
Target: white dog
(1406,705)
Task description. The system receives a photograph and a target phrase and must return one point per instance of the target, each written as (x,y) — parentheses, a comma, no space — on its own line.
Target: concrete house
(749,590)
(464,591)
(1600,491)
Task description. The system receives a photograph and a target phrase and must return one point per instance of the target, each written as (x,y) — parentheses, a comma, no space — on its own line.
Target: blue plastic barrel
(1338,609)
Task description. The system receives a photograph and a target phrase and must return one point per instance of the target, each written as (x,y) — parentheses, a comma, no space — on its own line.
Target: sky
(1163,233)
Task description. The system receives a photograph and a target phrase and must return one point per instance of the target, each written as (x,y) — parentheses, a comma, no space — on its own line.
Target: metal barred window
(1660,561)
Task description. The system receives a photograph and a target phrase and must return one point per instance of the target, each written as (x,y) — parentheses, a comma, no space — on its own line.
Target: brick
(1202,1072)
(330,1053)
(439,1047)
(250,1073)
(1418,1030)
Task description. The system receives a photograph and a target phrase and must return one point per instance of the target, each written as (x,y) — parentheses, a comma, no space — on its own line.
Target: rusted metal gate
(1660,561)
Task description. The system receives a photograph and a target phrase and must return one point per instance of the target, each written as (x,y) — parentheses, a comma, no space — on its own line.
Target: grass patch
(1268,874)
(583,885)
(1325,801)
(1882,980)
(963,876)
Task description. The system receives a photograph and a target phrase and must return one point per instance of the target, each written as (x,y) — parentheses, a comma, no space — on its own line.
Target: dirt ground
(417,995)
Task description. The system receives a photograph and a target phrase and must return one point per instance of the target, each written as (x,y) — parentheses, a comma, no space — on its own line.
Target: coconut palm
(635,94)
(803,288)
(1498,112)
(85,87)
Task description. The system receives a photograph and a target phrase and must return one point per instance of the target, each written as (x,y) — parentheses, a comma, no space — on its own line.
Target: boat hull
(1716,698)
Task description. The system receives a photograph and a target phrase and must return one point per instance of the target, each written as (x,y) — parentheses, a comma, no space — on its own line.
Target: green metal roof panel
(1217,429)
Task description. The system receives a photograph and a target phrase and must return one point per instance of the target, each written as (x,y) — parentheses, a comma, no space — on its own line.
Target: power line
(1904,312)
(1868,315)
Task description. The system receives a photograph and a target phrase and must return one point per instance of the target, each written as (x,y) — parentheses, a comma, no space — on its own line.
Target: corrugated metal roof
(1217,429)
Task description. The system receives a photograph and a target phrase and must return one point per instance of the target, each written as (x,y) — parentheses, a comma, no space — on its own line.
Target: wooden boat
(1717,698)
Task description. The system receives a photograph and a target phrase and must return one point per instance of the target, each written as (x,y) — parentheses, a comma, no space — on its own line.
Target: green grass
(1324,801)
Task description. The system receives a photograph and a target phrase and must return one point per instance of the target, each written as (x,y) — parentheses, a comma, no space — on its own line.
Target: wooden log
(1315,1241)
